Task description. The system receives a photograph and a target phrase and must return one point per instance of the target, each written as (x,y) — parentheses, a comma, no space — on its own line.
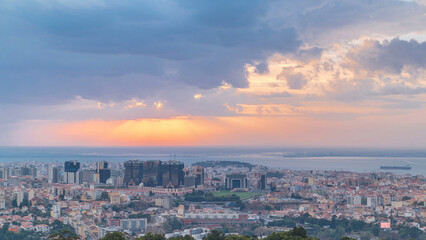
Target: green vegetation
(221,196)
(274,174)
(209,197)
(5,234)
(410,232)
(59,227)
(173,224)
(114,236)
(338,228)
(295,234)
(64,235)
(241,195)
(347,238)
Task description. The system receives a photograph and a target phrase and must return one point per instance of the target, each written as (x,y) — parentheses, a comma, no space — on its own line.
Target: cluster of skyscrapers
(6,172)
(154,173)
(72,173)
(169,174)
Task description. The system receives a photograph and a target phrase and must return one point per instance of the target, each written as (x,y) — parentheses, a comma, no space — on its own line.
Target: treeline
(348,225)
(337,228)
(5,234)
(57,227)
(298,233)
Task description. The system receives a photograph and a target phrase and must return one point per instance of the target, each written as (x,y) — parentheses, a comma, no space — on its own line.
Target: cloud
(87,50)
(198,96)
(294,80)
(53,51)
(76,61)
(323,22)
(389,56)
(262,68)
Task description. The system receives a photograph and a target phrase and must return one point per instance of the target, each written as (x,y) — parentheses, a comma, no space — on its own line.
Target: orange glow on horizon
(227,131)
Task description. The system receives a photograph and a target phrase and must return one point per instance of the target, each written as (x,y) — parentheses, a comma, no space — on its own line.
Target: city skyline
(218,73)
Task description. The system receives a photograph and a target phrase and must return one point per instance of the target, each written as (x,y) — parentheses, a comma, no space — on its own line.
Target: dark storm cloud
(55,52)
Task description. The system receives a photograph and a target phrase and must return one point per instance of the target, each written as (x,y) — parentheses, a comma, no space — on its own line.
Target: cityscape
(212,119)
(93,199)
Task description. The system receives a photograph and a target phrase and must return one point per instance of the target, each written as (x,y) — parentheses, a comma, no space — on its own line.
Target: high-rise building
(53,174)
(70,173)
(101,165)
(133,172)
(257,180)
(104,175)
(29,171)
(102,172)
(4,173)
(85,176)
(173,174)
(199,175)
(154,173)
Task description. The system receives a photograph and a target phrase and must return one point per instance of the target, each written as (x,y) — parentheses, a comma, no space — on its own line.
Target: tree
(186,237)
(347,238)
(299,231)
(5,227)
(114,236)
(215,235)
(173,224)
(64,235)
(14,203)
(150,236)
(59,227)
(24,202)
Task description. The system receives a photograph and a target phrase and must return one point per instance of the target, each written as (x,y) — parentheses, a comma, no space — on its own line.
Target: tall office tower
(172,174)
(133,171)
(102,172)
(104,175)
(15,171)
(262,182)
(101,165)
(4,173)
(29,171)
(85,176)
(152,173)
(70,173)
(25,171)
(53,174)
(199,175)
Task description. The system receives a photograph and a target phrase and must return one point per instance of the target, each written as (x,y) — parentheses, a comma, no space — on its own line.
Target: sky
(308,73)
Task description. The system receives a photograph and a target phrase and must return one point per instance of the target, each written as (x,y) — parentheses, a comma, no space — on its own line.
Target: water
(358,160)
